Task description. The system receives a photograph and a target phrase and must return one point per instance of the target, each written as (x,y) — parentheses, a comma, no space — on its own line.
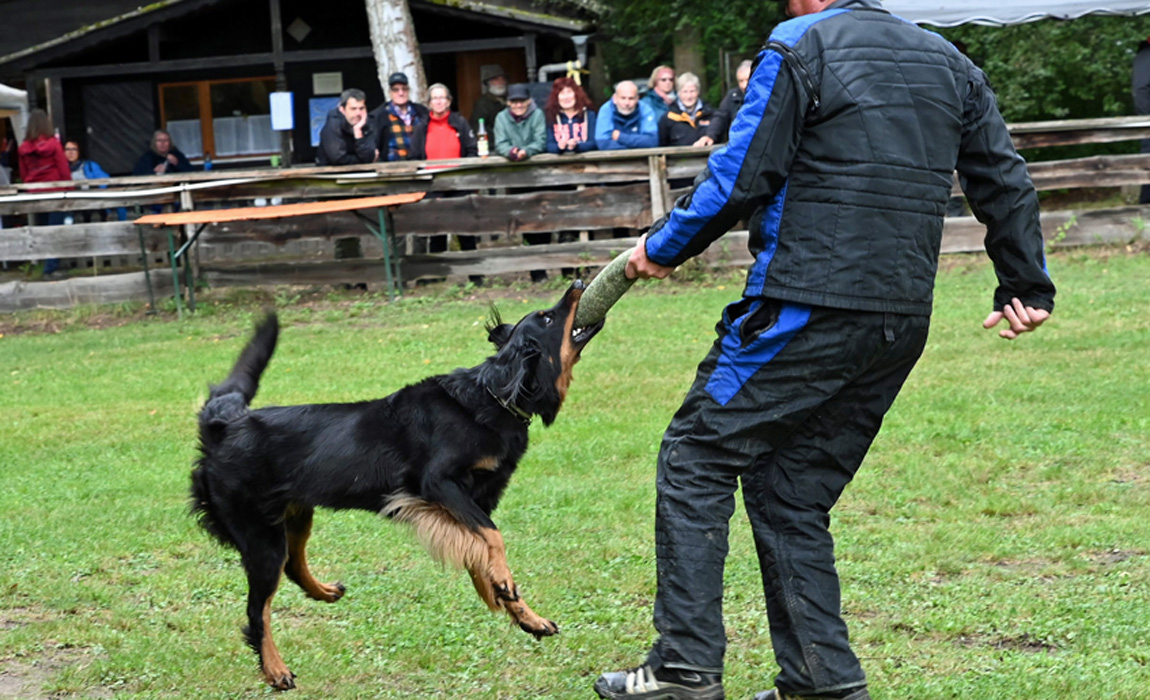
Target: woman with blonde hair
(660,96)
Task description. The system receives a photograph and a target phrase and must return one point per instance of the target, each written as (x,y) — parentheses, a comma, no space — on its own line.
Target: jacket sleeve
(367,145)
(1142,80)
(63,170)
(648,136)
(503,134)
(418,149)
(537,133)
(603,129)
(721,119)
(590,144)
(468,141)
(751,169)
(1002,196)
(334,149)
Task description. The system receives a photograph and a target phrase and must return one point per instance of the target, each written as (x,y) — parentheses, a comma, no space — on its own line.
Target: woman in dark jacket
(445,134)
(570,118)
(687,121)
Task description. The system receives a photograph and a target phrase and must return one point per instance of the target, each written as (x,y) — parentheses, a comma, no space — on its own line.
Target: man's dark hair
(351,93)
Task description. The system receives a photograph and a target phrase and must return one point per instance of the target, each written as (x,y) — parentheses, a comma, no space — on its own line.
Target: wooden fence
(598,201)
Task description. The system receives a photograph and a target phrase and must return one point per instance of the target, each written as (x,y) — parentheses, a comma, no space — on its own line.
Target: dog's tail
(229,399)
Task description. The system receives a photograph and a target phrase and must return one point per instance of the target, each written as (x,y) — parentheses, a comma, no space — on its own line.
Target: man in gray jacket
(853,124)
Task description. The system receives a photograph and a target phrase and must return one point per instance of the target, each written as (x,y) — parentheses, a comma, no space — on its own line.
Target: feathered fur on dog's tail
(229,399)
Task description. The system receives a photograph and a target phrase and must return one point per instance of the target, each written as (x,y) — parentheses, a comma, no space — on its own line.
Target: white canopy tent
(14,105)
(949,13)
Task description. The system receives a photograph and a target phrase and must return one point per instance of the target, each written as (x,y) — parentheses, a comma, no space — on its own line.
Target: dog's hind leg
(263,554)
(298,526)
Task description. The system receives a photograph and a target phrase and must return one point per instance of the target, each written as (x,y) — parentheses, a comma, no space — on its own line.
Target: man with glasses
(397,118)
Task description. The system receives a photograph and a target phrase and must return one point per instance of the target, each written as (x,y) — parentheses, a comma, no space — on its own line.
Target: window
(223,118)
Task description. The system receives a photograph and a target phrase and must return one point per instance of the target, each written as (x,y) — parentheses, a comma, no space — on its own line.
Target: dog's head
(532,369)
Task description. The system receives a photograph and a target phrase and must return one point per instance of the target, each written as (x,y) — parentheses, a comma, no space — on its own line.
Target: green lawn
(993,546)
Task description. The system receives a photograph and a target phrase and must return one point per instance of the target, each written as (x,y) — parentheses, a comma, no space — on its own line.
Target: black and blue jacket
(842,156)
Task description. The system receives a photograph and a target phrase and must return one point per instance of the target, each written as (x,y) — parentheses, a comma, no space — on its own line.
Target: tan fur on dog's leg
(275,671)
(507,592)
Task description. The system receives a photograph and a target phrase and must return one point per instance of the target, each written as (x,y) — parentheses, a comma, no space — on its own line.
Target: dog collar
(511,408)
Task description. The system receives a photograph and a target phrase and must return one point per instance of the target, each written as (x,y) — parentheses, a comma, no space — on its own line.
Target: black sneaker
(665,684)
(857,694)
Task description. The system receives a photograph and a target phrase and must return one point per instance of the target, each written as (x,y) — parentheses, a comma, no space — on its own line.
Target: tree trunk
(394,44)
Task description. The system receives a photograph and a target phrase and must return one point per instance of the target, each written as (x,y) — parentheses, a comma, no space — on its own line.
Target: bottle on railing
(481,137)
(207,161)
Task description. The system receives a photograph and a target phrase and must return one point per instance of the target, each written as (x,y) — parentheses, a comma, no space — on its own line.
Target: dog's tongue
(608,286)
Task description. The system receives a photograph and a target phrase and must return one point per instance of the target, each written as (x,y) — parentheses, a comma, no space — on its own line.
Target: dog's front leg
(505,590)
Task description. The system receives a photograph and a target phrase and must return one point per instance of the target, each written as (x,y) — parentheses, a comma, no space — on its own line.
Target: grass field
(995,544)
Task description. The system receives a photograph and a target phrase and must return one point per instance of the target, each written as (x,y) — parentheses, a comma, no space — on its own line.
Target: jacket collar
(855,5)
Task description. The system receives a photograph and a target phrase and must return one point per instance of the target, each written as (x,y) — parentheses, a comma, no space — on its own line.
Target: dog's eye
(547,319)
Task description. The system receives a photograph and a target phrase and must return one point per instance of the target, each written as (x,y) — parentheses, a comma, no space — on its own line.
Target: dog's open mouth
(582,336)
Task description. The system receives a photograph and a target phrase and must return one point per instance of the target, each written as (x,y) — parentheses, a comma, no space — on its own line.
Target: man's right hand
(161,168)
(639,266)
(615,135)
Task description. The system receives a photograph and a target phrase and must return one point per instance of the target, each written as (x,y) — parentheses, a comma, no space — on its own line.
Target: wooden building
(110,72)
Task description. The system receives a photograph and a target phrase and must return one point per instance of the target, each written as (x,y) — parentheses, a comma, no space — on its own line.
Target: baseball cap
(518,91)
(397,79)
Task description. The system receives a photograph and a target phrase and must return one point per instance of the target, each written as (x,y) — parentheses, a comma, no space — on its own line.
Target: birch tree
(394,45)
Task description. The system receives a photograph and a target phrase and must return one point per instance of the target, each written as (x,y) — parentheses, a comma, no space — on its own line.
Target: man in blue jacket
(624,122)
(843,156)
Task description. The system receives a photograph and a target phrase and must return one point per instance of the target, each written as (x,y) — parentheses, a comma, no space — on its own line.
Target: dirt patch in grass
(1024,642)
(24,678)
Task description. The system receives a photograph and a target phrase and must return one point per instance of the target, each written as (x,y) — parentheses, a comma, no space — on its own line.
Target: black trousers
(788,400)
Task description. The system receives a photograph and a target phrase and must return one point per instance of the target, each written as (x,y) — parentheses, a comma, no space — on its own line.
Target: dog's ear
(498,332)
(510,371)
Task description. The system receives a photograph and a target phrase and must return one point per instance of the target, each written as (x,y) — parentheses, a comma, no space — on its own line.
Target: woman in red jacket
(42,160)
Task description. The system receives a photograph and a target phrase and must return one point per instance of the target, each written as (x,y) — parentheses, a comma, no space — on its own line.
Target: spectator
(162,158)
(723,116)
(661,91)
(492,101)
(687,121)
(624,122)
(1142,99)
(42,160)
(87,170)
(395,120)
(519,130)
(446,134)
(570,119)
(347,137)
(834,316)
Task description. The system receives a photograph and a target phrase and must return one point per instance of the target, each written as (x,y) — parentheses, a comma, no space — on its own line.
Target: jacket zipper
(798,67)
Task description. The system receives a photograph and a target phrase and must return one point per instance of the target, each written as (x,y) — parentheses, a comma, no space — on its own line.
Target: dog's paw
(545,628)
(284,680)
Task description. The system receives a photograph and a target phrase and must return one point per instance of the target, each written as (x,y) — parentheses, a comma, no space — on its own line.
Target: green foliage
(642,34)
(1040,70)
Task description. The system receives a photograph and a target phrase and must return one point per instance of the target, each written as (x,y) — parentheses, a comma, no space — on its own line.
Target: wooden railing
(598,200)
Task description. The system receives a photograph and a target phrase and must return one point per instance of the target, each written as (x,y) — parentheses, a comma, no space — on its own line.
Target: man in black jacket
(728,108)
(347,136)
(844,150)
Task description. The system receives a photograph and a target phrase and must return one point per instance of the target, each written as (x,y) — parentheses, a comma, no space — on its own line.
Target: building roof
(34,32)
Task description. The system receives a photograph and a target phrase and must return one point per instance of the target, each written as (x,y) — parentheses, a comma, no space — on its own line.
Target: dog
(436,455)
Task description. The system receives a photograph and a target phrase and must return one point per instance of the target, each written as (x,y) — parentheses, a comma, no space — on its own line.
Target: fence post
(660,190)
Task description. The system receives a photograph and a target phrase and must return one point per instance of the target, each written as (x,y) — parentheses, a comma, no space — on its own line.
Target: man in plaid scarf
(396,119)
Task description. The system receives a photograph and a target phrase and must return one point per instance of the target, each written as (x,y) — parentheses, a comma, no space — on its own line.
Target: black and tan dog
(437,455)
